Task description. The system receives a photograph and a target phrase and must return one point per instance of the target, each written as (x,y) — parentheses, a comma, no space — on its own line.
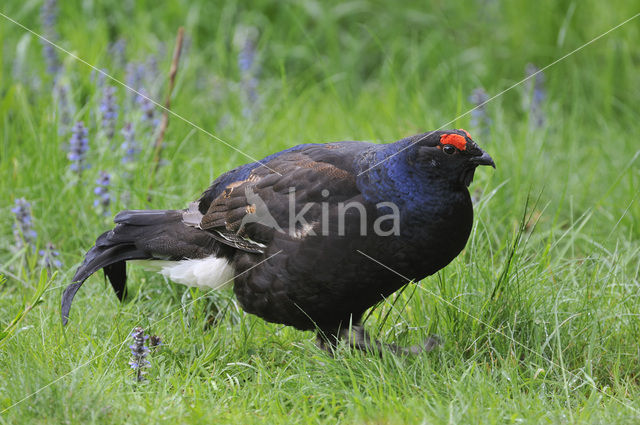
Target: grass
(539,314)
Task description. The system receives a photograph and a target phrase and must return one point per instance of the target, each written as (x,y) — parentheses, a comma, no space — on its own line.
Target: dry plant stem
(167,103)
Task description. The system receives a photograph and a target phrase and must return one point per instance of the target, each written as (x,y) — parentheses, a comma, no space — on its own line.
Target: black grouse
(296,232)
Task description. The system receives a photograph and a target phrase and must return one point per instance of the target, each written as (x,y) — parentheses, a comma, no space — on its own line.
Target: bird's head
(451,154)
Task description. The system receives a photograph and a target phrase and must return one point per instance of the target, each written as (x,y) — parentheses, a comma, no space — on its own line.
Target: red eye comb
(454,139)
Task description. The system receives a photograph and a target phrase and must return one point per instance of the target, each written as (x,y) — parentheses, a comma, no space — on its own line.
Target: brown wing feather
(248,212)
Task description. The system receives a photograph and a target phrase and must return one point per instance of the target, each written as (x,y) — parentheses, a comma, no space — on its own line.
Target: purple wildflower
(247,56)
(49,19)
(142,76)
(480,120)
(148,109)
(78,147)
(22,231)
(139,353)
(109,111)
(536,94)
(49,257)
(134,77)
(103,197)
(138,77)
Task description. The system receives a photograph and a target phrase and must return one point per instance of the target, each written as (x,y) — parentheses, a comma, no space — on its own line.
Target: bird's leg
(357,337)
(326,343)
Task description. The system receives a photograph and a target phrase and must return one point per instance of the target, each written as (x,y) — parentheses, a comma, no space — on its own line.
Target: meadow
(539,315)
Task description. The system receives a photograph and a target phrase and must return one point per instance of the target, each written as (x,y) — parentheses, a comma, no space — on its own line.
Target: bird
(312,236)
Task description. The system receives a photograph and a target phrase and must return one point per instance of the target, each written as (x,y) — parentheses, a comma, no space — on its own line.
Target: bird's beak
(483,159)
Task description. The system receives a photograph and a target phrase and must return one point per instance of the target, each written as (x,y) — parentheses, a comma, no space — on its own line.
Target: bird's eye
(449,149)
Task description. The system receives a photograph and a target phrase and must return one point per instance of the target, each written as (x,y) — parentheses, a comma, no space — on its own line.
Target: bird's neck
(424,199)
(384,174)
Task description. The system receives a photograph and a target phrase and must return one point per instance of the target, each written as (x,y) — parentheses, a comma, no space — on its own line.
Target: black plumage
(295,226)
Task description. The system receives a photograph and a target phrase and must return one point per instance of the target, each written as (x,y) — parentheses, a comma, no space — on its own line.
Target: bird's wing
(284,195)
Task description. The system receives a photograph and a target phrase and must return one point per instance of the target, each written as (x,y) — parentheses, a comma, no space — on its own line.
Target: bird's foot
(429,345)
(358,338)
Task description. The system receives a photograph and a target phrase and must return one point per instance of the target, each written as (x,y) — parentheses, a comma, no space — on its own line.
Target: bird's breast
(434,233)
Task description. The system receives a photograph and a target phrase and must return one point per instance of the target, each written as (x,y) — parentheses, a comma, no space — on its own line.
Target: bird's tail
(138,234)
